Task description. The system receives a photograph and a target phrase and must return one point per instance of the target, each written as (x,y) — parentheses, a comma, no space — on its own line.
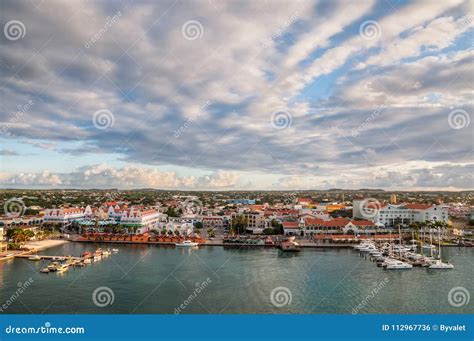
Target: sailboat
(438,264)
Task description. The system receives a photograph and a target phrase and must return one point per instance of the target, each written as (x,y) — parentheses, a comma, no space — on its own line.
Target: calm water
(152,279)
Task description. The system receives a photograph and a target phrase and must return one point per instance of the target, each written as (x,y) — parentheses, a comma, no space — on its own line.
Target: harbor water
(169,280)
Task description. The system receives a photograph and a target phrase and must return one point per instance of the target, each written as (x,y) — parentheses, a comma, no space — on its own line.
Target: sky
(237,95)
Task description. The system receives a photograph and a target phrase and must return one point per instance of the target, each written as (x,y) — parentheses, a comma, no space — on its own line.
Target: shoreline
(34,247)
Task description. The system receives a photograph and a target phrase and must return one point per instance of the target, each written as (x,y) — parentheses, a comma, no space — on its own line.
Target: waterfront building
(30,220)
(3,244)
(291,228)
(63,215)
(405,214)
(215,222)
(141,220)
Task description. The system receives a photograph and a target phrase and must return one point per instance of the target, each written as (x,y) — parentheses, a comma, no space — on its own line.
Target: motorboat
(368,248)
(62,268)
(398,265)
(44,270)
(53,266)
(363,245)
(35,257)
(376,254)
(115,250)
(87,261)
(186,243)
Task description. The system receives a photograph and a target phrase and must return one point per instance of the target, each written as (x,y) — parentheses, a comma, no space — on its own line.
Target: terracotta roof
(290,225)
(362,223)
(417,206)
(313,221)
(338,222)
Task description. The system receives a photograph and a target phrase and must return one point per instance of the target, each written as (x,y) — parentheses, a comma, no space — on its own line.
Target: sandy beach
(40,245)
(33,246)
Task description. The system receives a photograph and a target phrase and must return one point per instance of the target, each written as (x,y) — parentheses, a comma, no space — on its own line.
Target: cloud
(6,152)
(105,176)
(353,103)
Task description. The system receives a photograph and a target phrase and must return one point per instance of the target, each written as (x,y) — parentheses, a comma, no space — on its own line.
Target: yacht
(375,254)
(398,265)
(438,264)
(363,245)
(186,243)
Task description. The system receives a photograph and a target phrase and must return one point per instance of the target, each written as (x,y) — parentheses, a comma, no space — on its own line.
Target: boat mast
(431,243)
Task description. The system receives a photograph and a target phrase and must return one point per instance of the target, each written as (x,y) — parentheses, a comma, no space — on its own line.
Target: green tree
(240,223)
(198,225)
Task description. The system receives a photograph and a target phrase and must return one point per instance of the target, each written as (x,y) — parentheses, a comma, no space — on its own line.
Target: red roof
(362,223)
(338,222)
(290,225)
(313,221)
(417,206)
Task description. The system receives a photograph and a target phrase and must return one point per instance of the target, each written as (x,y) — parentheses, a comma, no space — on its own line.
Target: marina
(157,279)
(61,264)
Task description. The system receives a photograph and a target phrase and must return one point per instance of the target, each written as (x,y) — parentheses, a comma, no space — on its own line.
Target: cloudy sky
(237,94)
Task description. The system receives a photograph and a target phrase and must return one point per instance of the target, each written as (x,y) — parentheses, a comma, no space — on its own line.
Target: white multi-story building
(405,214)
(143,220)
(63,215)
(173,226)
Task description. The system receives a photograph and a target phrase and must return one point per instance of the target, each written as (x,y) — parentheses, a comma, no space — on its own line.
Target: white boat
(35,257)
(106,253)
(363,245)
(368,248)
(438,264)
(429,247)
(53,266)
(87,260)
(186,243)
(398,265)
(62,268)
(376,254)
(115,250)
